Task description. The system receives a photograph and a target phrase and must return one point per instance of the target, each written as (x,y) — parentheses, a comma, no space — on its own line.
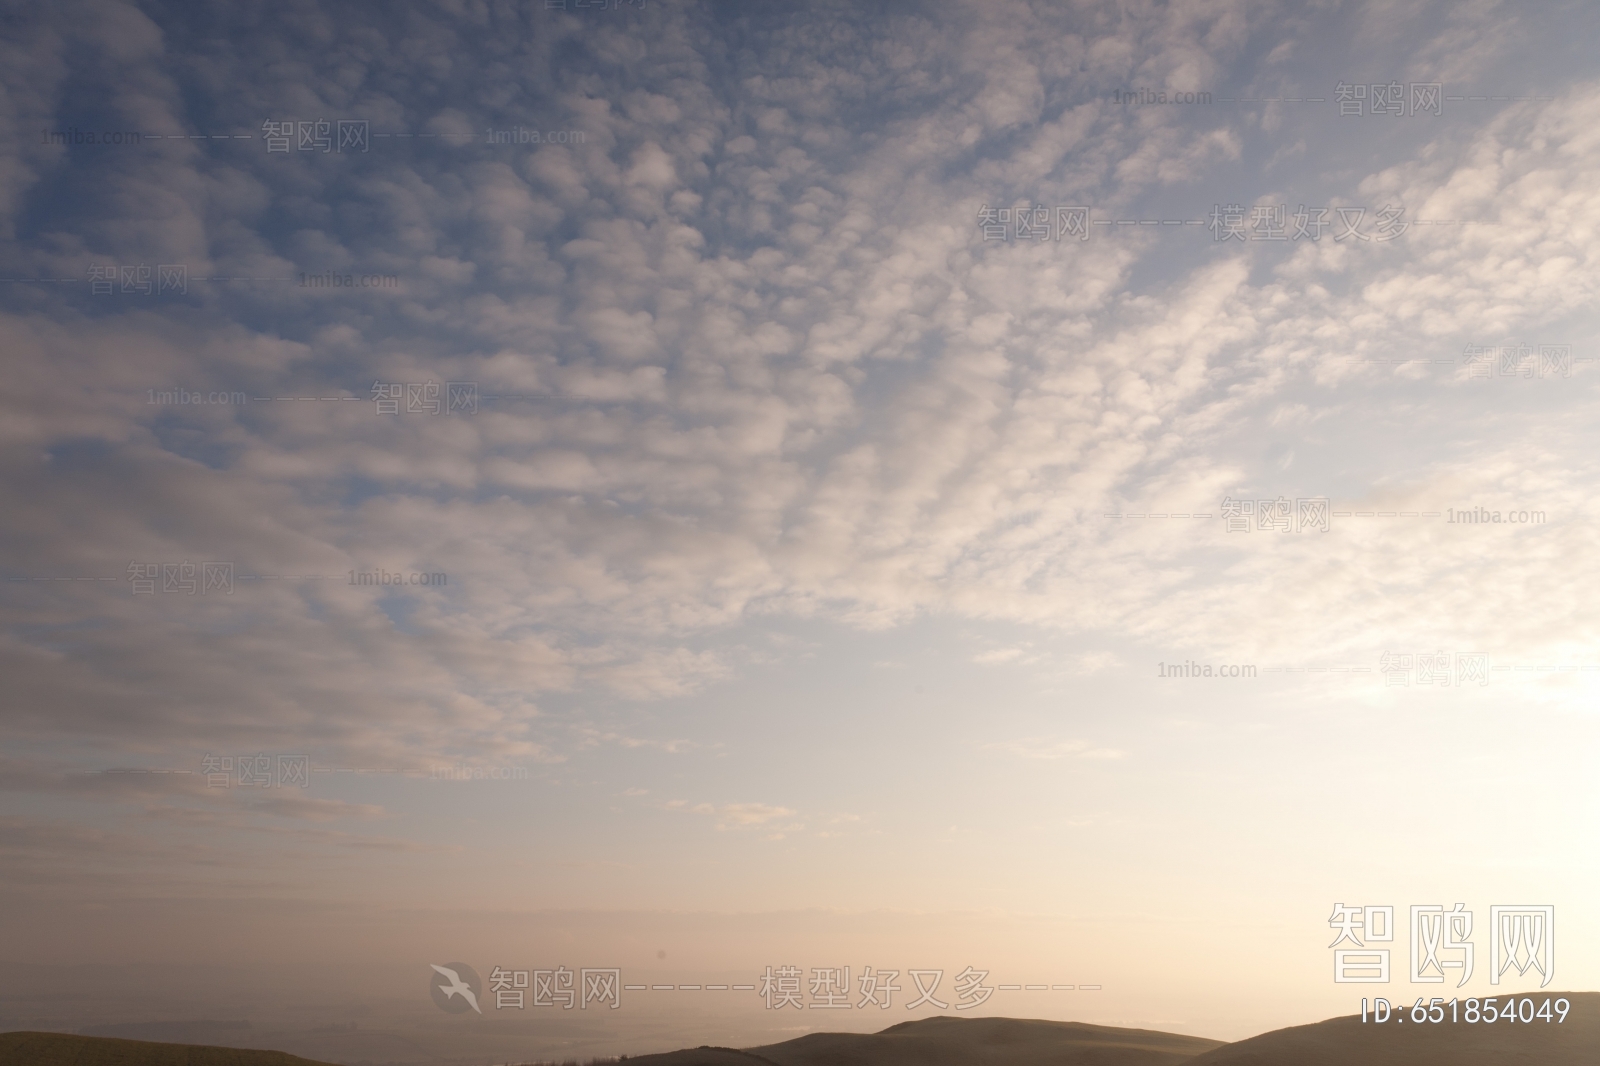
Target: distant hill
(64,1049)
(945,1041)
(1346,1041)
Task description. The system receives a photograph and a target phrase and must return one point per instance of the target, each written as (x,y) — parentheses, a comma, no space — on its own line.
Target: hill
(64,1049)
(1341,1041)
(945,1041)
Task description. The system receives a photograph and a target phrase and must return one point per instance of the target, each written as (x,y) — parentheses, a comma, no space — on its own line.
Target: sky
(1077,491)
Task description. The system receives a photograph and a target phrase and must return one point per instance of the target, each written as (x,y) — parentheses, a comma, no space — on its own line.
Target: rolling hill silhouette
(65,1049)
(945,1041)
(1343,1041)
(940,1041)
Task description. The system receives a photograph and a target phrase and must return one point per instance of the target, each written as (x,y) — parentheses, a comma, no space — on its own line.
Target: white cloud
(807,388)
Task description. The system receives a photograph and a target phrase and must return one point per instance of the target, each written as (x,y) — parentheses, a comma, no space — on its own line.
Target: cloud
(742,352)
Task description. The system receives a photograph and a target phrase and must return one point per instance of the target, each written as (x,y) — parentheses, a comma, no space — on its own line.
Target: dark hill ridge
(703,1056)
(944,1041)
(1346,1041)
(64,1049)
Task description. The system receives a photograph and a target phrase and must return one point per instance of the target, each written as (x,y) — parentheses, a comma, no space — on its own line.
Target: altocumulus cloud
(740,351)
